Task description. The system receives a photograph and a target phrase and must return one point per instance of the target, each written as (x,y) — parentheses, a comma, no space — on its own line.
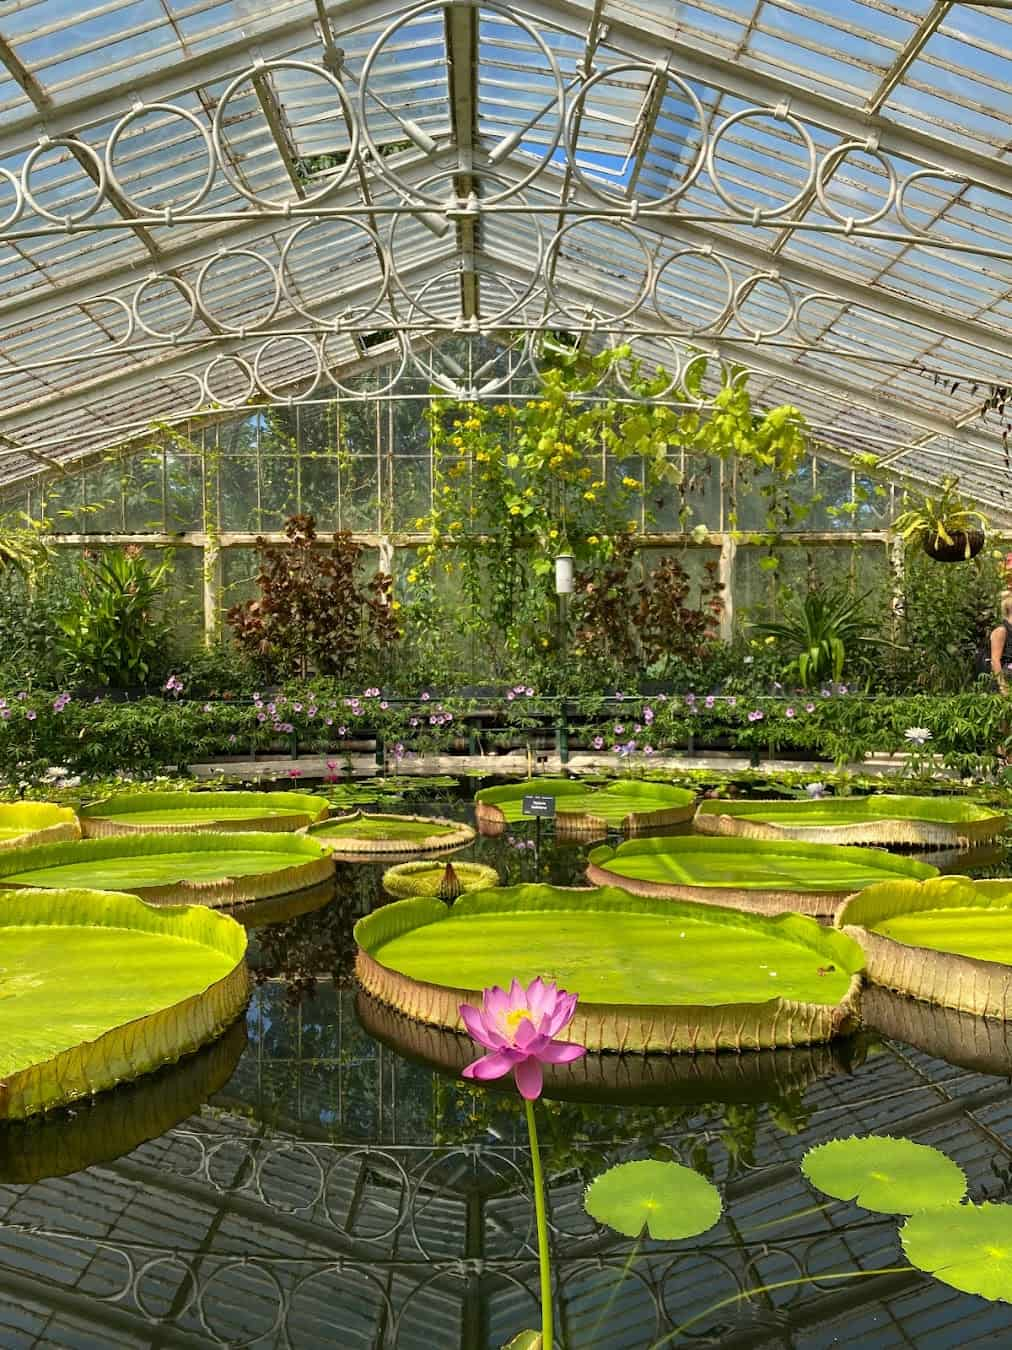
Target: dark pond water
(312,1181)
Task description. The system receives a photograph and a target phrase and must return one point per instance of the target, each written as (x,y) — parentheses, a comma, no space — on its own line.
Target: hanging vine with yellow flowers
(516,483)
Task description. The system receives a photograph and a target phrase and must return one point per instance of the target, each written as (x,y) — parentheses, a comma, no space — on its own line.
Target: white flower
(918,735)
(815,790)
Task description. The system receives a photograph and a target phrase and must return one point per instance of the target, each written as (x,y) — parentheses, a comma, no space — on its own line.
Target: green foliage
(666,1199)
(887,1175)
(936,520)
(945,617)
(968,1247)
(820,633)
(110,636)
(24,548)
(313,615)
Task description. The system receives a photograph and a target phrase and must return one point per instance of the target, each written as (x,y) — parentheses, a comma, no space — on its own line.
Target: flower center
(514,1017)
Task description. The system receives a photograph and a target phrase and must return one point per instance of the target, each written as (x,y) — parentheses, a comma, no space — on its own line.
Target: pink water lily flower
(518,1026)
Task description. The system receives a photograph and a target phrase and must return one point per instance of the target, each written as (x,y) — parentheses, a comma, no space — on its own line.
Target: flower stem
(541,1213)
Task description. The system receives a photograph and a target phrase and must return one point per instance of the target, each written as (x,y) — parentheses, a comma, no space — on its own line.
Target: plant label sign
(537,804)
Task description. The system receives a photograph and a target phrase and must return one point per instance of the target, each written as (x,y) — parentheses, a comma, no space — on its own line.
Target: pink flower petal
(496,1065)
(529,1078)
(517,995)
(561,1015)
(561,1052)
(478,1029)
(526,1035)
(495,1002)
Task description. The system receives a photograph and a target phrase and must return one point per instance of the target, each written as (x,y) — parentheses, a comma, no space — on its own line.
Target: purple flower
(788,712)
(826,693)
(529,691)
(296,707)
(414,721)
(328,721)
(755,715)
(732,702)
(709,700)
(619,695)
(342,731)
(809,707)
(690,699)
(519,1027)
(261,717)
(311,712)
(619,728)
(510,694)
(31,714)
(384,706)
(426,697)
(648,749)
(648,715)
(598,742)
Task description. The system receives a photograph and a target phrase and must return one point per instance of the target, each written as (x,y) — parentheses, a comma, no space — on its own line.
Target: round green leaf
(889,1176)
(966,1246)
(669,1200)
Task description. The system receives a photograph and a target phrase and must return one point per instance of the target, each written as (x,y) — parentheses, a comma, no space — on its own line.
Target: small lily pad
(886,1175)
(966,1246)
(669,1200)
(525,1340)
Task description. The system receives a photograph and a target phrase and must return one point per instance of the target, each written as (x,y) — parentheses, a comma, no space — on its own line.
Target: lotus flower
(518,1026)
(918,735)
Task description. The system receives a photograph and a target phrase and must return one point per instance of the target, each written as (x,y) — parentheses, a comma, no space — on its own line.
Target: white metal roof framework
(207,203)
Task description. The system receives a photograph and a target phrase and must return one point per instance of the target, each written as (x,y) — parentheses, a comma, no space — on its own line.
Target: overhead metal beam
(216,64)
(648,37)
(461,36)
(179,362)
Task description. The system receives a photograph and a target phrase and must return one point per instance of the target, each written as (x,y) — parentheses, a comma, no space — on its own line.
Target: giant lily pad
(753,874)
(23,823)
(920,822)
(762,1076)
(968,1247)
(205,869)
(946,941)
(429,878)
(667,1199)
(980,1044)
(628,804)
(198,812)
(887,1175)
(382,835)
(120,1120)
(97,988)
(651,975)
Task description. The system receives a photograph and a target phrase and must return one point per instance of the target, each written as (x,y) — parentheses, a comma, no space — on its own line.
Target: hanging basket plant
(959,547)
(948,528)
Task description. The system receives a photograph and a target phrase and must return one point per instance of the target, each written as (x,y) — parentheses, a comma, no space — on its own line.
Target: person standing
(1001,644)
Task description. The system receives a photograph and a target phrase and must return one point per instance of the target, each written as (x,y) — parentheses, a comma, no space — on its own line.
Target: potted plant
(948,528)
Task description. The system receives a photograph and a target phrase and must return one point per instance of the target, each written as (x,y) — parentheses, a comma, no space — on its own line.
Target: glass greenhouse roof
(209,204)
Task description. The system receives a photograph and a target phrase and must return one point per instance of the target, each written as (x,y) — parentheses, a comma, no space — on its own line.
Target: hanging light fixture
(564,574)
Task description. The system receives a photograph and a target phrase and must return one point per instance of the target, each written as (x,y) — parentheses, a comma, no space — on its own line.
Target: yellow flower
(413,575)
(553,534)
(395,604)
(630,482)
(420,521)
(589,497)
(592,539)
(770,641)
(514,510)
